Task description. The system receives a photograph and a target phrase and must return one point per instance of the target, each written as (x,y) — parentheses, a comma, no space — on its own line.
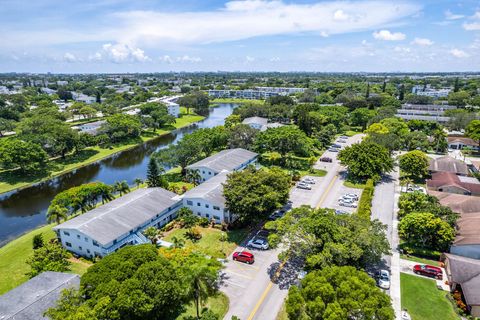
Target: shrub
(37,241)
(193,234)
(365,203)
(203,222)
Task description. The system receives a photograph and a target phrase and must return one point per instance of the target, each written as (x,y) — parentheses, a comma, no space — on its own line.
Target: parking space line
(234,284)
(239,274)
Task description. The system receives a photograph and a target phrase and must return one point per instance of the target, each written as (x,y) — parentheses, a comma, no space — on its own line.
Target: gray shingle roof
(229,160)
(255,120)
(466,272)
(108,222)
(210,190)
(448,164)
(31,299)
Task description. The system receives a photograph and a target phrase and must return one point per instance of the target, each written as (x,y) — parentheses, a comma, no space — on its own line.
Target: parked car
(258,243)
(244,256)
(277,214)
(336,146)
(262,234)
(348,204)
(326,159)
(384,279)
(350,196)
(341,212)
(308,180)
(333,149)
(304,186)
(347,200)
(427,270)
(342,141)
(343,137)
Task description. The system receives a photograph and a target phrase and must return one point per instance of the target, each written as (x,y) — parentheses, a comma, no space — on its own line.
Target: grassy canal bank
(10,180)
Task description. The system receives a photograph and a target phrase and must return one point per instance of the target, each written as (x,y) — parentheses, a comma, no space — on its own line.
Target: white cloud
(422,42)
(121,52)
(251,18)
(402,49)
(187,58)
(274,59)
(249,59)
(457,53)
(69,57)
(474,26)
(166,58)
(339,15)
(451,16)
(388,36)
(476,15)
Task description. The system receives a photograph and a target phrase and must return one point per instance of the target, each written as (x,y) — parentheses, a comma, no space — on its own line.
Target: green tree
(253,194)
(121,127)
(242,136)
(414,164)
(377,128)
(473,130)
(232,120)
(187,218)
(459,98)
(425,230)
(439,142)
(361,116)
(194,177)
(27,156)
(338,293)
(154,175)
(155,115)
(37,241)
(121,187)
(197,100)
(188,150)
(50,257)
(151,233)
(416,140)
(286,139)
(6,125)
(56,214)
(366,160)
(138,182)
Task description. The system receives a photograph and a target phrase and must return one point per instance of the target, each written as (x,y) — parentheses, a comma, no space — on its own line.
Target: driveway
(406,266)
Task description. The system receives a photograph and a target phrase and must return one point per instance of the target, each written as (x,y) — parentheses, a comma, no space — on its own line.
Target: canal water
(24,210)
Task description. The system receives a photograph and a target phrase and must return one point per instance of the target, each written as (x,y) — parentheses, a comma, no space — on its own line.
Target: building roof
(229,160)
(469,209)
(118,217)
(31,299)
(444,179)
(448,164)
(463,140)
(466,272)
(271,125)
(210,190)
(255,120)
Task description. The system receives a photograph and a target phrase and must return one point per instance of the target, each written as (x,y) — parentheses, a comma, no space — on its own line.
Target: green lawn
(350,133)
(314,173)
(422,299)
(11,180)
(218,304)
(421,260)
(13,257)
(350,184)
(210,243)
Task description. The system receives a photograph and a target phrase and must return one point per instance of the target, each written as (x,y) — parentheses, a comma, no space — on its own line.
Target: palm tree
(121,187)
(138,182)
(106,194)
(406,181)
(202,277)
(178,242)
(57,214)
(194,177)
(151,233)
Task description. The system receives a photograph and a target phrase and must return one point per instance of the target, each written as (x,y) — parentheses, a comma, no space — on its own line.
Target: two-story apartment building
(228,160)
(118,223)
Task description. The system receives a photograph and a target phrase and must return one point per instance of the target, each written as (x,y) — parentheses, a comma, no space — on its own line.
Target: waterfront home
(207,200)
(90,127)
(118,223)
(228,160)
(31,299)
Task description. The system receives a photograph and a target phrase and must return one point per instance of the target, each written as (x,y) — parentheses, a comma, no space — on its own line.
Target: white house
(90,127)
(255,122)
(80,97)
(228,160)
(118,223)
(207,200)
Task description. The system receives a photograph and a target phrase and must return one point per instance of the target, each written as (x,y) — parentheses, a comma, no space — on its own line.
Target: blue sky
(251,35)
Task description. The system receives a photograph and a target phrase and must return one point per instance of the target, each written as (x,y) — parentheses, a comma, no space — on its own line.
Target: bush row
(365,203)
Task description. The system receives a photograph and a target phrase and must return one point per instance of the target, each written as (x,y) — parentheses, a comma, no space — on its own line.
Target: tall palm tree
(57,214)
(151,233)
(106,194)
(121,187)
(138,182)
(194,177)
(202,277)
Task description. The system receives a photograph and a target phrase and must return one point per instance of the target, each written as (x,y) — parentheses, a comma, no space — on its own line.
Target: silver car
(308,180)
(304,186)
(258,243)
(348,204)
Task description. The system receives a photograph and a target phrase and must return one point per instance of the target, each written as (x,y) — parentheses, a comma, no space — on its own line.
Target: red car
(244,256)
(429,271)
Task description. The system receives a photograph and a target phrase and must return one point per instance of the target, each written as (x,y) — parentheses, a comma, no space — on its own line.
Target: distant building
(448,164)
(207,200)
(90,128)
(282,90)
(459,143)
(48,91)
(80,97)
(62,83)
(170,102)
(427,112)
(464,275)
(428,91)
(452,183)
(31,299)
(242,94)
(118,223)
(226,160)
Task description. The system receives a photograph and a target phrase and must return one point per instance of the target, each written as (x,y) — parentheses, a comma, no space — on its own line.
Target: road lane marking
(324,195)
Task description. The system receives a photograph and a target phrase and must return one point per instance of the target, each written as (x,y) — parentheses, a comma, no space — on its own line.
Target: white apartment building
(80,97)
(226,160)
(427,112)
(242,94)
(430,92)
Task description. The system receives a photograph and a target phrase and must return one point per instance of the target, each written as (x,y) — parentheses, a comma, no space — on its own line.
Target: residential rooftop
(448,164)
(230,160)
(210,190)
(118,217)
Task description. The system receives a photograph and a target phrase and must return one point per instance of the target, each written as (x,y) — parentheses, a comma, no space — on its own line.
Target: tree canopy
(27,156)
(286,139)
(414,164)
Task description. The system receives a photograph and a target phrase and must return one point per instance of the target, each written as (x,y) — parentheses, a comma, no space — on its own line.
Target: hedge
(365,203)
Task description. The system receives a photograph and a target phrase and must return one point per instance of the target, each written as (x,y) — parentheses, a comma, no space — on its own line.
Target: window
(86,239)
(216,217)
(190,203)
(115,241)
(216,208)
(210,173)
(203,172)
(66,233)
(199,204)
(80,248)
(207,206)
(68,244)
(207,215)
(78,236)
(95,243)
(88,250)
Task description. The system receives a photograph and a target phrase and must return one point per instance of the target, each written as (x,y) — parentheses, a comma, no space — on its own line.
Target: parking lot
(338,191)
(301,197)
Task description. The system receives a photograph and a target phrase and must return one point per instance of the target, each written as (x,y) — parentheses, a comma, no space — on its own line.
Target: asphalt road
(258,291)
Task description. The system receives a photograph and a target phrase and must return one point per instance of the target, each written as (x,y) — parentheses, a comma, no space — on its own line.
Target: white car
(348,204)
(258,243)
(346,200)
(308,180)
(384,279)
(305,186)
(351,196)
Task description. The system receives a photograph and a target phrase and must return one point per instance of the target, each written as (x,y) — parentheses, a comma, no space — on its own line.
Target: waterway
(23,210)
